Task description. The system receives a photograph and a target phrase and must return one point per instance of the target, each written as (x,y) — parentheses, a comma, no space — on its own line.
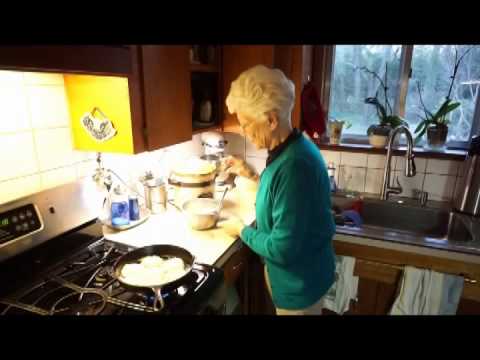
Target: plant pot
(437,137)
(335,129)
(378,141)
(378,135)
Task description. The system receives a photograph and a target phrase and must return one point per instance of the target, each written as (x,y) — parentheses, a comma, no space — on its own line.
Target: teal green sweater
(294,227)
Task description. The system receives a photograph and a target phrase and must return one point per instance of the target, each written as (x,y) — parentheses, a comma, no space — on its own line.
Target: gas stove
(71,274)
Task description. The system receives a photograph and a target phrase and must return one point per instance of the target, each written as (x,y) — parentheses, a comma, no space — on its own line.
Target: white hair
(260,90)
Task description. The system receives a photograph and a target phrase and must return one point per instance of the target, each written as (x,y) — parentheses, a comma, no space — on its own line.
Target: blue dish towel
(353,216)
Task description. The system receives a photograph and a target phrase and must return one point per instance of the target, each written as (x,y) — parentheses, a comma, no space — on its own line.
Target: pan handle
(158,299)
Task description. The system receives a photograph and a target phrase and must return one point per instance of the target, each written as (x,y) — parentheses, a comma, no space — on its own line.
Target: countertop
(212,247)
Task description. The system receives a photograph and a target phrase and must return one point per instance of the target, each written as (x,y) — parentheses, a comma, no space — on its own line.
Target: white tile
(373,181)
(39,78)
(442,167)
(410,185)
(17,155)
(58,177)
(131,167)
(420,163)
(353,159)
(84,155)
(85,168)
(235,144)
(187,148)
(331,156)
(48,106)
(258,164)
(439,187)
(13,107)
(376,161)
(11,78)
(54,148)
(352,178)
(252,151)
(17,188)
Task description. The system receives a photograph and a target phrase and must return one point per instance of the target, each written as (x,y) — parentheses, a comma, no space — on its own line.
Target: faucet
(410,169)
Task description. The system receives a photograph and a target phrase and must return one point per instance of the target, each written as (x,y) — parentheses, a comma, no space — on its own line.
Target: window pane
(350,86)
(432,65)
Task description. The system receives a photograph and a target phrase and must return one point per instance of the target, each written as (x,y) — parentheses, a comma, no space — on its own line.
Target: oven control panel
(19,222)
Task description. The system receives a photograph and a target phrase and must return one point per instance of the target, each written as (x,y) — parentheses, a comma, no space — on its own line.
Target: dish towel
(344,288)
(427,292)
(313,115)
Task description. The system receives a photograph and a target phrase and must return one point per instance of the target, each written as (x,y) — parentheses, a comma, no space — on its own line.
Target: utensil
(220,205)
(163,251)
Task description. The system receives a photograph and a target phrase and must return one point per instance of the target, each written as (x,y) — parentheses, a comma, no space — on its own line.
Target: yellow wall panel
(111,95)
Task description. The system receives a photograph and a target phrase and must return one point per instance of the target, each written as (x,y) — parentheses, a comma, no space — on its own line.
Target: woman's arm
(291,194)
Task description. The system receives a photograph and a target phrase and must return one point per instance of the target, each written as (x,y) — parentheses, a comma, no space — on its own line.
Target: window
(351,85)
(431,65)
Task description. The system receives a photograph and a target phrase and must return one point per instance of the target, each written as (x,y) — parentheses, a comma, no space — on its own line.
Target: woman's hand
(233,226)
(237,166)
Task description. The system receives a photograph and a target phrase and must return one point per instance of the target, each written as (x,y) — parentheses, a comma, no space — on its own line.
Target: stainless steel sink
(408,222)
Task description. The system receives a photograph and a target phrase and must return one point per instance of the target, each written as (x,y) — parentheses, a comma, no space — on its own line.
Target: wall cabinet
(89,59)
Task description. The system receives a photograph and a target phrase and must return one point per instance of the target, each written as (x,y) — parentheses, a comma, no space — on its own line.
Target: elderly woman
(294,226)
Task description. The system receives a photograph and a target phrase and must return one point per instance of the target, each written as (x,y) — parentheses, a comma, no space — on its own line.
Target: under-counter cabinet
(380,272)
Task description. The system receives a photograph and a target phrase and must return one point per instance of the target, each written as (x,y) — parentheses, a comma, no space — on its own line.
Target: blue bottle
(120,210)
(133,208)
(331,176)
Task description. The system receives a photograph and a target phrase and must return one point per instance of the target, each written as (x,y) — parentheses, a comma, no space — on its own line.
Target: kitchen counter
(212,247)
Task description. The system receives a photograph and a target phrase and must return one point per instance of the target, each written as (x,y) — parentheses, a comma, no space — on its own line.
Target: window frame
(406,57)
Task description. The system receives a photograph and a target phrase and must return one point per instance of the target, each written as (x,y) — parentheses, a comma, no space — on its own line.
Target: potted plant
(335,128)
(378,133)
(436,124)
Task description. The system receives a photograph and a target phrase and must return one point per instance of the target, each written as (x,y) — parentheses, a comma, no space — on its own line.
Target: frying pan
(163,251)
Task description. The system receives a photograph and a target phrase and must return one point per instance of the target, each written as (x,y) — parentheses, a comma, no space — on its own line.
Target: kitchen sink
(407,222)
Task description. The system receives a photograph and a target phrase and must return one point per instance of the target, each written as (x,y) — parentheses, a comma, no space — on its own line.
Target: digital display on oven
(18,222)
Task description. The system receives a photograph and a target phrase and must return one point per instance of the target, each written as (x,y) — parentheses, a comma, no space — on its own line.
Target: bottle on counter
(133,207)
(331,176)
(120,210)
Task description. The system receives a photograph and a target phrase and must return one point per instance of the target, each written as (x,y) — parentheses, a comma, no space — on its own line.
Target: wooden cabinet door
(295,62)
(236,59)
(87,59)
(166,95)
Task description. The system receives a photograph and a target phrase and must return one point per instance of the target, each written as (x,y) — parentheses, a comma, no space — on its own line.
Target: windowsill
(451,154)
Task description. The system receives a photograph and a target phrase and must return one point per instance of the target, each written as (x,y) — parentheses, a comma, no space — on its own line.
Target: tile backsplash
(357,171)
(35,140)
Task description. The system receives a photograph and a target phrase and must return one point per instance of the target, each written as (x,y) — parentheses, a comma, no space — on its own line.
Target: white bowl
(201,213)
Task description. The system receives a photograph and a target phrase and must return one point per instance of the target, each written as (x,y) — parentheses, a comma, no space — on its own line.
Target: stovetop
(81,283)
